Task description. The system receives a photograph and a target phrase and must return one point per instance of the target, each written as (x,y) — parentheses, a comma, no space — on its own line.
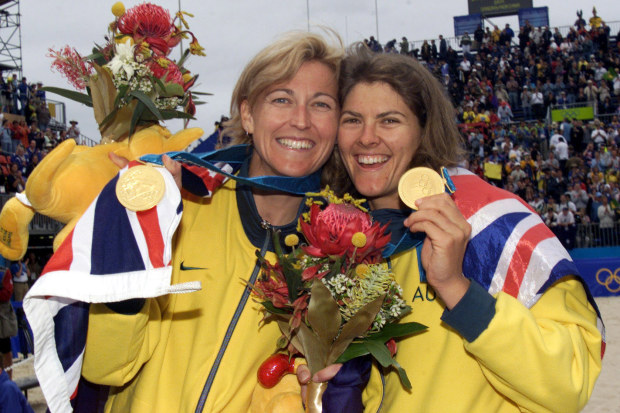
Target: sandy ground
(605,398)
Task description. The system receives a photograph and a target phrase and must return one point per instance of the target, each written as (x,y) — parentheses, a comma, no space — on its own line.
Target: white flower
(123,59)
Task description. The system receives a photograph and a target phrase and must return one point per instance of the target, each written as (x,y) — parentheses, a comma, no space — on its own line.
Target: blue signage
(467,24)
(537,16)
(601,274)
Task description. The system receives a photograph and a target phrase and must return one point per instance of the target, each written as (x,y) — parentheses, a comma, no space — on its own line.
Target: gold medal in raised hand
(418,183)
(140,188)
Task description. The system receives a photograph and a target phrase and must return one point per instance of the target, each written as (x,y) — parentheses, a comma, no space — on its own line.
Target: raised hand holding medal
(447,231)
(418,183)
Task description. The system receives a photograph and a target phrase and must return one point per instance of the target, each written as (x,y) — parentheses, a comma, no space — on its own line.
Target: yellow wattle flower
(361,270)
(163,62)
(291,240)
(358,239)
(187,77)
(124,39)
(196,49)
(118,9)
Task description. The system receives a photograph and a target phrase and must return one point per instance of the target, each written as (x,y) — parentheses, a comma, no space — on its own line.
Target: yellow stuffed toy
(69,178)
(277,389)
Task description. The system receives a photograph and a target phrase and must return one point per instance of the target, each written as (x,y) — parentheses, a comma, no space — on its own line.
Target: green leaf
(291,275)
(147,102)
(354,350)
(137,114)
(174,89)
(97,56)
(108,118)
(70,94)
(159,83)
(183,58)
(202,93)
(273,309)
(379,351)
(323,313)
(335,268)
(314,349)
(355,327)
(173,114)
(402,374)
(397,330)
(122,92)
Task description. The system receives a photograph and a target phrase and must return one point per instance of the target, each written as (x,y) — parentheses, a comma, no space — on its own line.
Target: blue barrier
(600,268)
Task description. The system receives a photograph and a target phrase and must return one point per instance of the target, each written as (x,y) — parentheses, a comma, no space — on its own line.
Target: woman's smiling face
(294,123)
(377,138)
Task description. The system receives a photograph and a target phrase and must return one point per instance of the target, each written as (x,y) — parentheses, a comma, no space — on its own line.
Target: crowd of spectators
(25,132)
(503,84)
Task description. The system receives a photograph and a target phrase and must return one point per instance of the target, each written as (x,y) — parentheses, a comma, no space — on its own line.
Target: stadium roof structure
(10,37)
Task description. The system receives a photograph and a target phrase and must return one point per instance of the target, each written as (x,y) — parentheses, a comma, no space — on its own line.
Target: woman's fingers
(327,373)
(304,376)
(174,168)
(445,206)
(118,160)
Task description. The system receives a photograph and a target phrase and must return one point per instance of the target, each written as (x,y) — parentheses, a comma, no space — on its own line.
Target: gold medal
(140,188)
(418,183)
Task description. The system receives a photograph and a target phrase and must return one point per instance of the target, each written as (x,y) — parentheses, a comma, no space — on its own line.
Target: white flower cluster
(339,284)
(123,65)
(167,103)
(353,292)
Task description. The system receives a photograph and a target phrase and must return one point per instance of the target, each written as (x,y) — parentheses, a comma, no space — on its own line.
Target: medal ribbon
(235,156)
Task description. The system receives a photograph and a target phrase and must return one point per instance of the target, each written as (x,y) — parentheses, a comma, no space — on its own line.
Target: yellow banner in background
(493,170)
(581,113)
(52,108)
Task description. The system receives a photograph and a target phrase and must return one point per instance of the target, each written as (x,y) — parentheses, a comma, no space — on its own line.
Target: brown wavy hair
(440,142)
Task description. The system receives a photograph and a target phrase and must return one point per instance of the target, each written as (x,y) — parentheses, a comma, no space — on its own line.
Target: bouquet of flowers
(130,80)
(334,298)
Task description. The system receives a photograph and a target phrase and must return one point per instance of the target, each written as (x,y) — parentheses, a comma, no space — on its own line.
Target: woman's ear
(247,121)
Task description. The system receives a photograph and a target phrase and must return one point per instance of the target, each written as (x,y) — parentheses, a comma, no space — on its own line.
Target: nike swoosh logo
(184,268)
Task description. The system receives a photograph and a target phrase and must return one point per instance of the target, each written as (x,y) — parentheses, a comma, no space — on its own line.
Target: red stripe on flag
(149,222)
(61,260)
(210,179)
(75,392)
(521,257)
(472,194)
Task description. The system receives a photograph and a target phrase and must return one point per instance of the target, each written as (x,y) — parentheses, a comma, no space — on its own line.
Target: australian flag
(510,248)
(112,254)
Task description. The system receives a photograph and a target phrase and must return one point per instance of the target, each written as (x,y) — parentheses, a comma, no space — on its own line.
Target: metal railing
(454,41)
(591,235)
(40,224)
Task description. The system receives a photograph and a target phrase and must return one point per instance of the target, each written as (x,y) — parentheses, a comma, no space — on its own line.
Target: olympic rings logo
(612,280)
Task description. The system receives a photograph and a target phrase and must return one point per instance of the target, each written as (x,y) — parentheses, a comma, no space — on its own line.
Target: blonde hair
(278,63)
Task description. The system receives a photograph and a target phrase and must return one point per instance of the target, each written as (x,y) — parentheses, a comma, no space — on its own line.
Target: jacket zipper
(233,323)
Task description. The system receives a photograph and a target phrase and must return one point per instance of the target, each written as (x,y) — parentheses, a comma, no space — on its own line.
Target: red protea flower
(164,68)
(330,232)
(272,287)
(152,24)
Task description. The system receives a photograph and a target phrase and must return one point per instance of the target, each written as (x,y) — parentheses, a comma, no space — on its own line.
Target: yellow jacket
(160,359)
(542,359)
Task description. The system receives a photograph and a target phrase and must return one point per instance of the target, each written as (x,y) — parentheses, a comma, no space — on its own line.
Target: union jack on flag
(510,248)
(112,254)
